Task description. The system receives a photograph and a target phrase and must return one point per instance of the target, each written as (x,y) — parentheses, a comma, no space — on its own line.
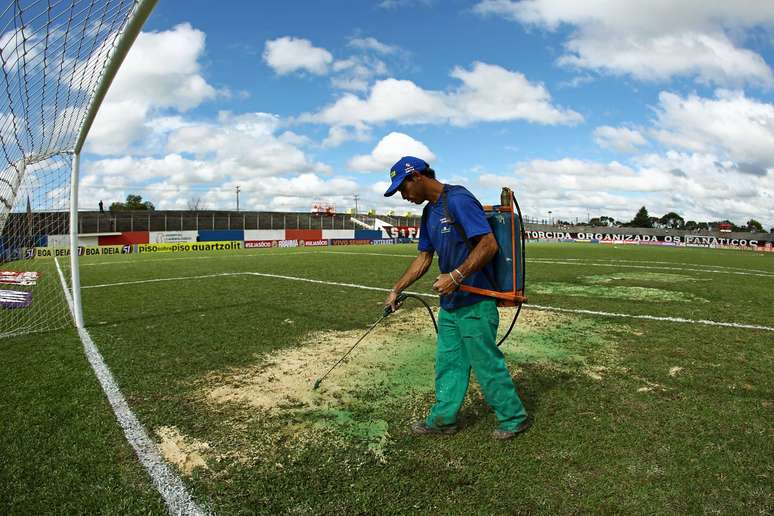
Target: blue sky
(583,108)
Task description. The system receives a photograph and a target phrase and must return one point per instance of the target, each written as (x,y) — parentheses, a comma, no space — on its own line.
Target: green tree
(702,225)
(607,221)
(754,225)
(642,219)
(133,202)
(672,220)
(691,225)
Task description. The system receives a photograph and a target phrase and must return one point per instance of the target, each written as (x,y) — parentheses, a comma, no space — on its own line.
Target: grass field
(217,354)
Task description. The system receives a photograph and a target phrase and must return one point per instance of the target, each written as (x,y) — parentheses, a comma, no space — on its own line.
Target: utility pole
(356,197)
(237,194)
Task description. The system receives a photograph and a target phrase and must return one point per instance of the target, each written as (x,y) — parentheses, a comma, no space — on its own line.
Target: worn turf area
(631,415)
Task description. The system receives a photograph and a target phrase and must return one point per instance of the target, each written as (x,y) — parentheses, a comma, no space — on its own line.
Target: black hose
(513,323)
(523,277)
(429,310)
(435,325)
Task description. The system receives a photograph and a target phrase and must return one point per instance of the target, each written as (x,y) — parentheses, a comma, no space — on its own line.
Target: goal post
(58,58)
(124,42)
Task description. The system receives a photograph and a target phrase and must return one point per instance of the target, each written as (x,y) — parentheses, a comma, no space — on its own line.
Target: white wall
(338,233)
(172,237)
(64,241)
(264,234)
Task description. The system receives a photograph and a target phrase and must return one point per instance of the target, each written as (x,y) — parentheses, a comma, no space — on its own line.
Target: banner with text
(49,252)
(668,240)
(189,247)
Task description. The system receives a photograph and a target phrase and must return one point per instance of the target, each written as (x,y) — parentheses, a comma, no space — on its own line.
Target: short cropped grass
(631,415)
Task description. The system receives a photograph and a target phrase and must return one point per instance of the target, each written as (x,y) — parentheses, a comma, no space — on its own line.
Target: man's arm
(483,252)
(415,270)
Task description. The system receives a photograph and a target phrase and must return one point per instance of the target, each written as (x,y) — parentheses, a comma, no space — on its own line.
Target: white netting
(53,55)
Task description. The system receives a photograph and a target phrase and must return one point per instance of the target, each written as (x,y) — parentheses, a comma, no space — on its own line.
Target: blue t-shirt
(439,235)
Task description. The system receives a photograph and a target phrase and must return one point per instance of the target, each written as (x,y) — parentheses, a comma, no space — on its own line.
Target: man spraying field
(467,323)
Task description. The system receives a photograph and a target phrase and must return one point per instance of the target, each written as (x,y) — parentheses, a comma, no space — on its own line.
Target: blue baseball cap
(402,169)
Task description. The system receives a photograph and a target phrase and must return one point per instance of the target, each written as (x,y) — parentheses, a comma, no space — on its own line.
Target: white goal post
(58,59)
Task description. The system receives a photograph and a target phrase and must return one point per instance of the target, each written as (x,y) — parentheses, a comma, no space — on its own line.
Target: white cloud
(488,93)
(244,146)
(356,73)
(160,71)
(287,54)
(169,182)
(338,134)
(389,150)
(621,139)
(735,126)
(652,39)
(371,43)
(390,99)
(163,68)
(492,93)
(698,186)
(118,123)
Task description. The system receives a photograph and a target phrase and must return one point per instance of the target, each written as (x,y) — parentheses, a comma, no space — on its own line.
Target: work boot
(501,434)
(421,428)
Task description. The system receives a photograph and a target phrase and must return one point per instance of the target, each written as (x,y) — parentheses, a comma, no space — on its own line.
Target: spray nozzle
(401,298)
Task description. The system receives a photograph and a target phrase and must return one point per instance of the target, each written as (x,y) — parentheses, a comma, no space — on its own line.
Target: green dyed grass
(651,295)
(614,430)
(641,277)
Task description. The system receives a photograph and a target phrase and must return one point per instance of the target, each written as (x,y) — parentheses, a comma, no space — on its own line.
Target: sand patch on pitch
(271,410)
(283,380)
(180,450)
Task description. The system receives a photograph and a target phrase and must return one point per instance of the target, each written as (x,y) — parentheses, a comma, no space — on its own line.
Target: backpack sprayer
(508,228)
(509,263)
(509,277)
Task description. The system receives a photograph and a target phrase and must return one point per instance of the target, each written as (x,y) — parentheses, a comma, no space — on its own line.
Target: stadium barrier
(662,240)
(204,240)
(193,247)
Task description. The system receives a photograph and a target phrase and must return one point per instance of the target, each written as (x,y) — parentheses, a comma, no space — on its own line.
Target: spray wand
(387,311)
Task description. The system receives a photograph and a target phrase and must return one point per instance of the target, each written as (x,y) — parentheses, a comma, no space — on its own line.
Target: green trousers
(466,338)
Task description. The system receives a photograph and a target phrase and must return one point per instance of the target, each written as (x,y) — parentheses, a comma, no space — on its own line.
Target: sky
(583,108)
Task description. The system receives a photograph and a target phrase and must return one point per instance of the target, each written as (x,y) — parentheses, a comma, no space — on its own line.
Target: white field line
(209,257)
(679,320)
(169,485)
(654,318)
(575,261)
(684,269)
(668,263)
(412,256)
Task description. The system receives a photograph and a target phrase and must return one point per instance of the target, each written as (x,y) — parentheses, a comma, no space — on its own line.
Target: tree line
(672,220)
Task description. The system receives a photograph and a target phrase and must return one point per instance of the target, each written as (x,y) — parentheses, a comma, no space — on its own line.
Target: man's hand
(444,285)
(391,301)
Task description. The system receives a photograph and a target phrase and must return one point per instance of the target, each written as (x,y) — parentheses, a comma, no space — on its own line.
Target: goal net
(58,58)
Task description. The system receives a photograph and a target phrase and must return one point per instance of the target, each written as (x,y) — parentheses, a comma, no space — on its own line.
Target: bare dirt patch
(180,450)
(270,409)
(283,380)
